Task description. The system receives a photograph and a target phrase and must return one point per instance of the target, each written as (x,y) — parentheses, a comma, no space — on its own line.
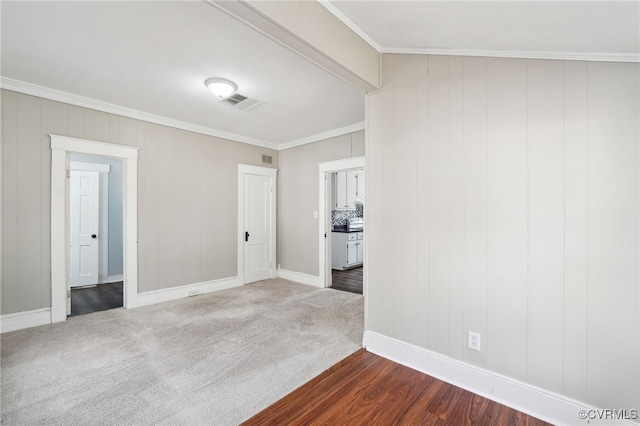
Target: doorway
(61,148)
(96,230)
(347,231)
(328,220)
(256,223)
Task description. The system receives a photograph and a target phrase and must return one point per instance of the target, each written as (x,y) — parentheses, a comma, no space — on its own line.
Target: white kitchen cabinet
(348,187)
(352,253)
(352,188)
(340,191)
(347,249)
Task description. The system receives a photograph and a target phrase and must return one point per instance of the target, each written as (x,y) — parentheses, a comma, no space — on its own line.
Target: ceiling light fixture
(221,87)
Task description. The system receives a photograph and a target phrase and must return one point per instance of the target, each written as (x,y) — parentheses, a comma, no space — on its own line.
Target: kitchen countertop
(344,230)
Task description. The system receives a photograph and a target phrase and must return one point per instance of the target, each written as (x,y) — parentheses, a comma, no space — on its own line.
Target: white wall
(187,197)
(521,181)
(298,198)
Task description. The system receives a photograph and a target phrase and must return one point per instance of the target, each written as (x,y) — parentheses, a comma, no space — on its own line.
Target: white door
(83,224)
(257,227)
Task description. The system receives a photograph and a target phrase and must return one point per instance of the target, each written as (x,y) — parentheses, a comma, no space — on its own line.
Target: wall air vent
(267,159)
(240,102)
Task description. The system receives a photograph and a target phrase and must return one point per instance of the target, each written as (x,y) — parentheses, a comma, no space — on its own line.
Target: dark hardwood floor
(94,299)
(365,389)
(348,280)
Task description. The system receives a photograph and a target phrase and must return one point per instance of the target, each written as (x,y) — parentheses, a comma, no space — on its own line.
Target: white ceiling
(518,27)
(155,56)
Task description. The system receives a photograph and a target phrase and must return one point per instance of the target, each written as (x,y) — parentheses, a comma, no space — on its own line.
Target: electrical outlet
(473,340)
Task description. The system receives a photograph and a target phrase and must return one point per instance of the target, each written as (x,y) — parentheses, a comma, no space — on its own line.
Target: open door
(329,188)
(84,222)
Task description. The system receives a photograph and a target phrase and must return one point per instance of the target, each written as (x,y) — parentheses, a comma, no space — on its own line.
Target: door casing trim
(61,146)
(324,249)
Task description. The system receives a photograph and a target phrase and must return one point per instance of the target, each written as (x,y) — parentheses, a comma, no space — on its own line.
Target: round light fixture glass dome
(221,87)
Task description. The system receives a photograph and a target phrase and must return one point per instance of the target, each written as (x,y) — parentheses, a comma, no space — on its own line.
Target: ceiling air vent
(240,102)
(234,99)
(267,159)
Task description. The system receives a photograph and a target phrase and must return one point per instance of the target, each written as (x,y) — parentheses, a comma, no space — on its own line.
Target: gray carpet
(214,359)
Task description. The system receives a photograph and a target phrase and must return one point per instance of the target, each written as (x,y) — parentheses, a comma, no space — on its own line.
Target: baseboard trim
(299,277)
(36,317)
(26,319)
(542,404)
(174,293)
(115,278)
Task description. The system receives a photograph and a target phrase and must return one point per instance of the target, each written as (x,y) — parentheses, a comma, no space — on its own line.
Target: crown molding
(326,135)
(349,23)
(520,54)
(81,101)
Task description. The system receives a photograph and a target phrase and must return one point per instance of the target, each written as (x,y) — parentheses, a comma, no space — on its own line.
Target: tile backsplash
(339,217)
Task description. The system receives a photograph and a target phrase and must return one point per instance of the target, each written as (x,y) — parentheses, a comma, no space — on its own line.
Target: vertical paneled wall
(503,198)
(187,197)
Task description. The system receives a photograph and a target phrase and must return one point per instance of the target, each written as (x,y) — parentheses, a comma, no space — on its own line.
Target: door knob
(246,236)
(94,236)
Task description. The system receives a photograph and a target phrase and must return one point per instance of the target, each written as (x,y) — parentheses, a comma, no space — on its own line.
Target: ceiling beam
(307,28)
